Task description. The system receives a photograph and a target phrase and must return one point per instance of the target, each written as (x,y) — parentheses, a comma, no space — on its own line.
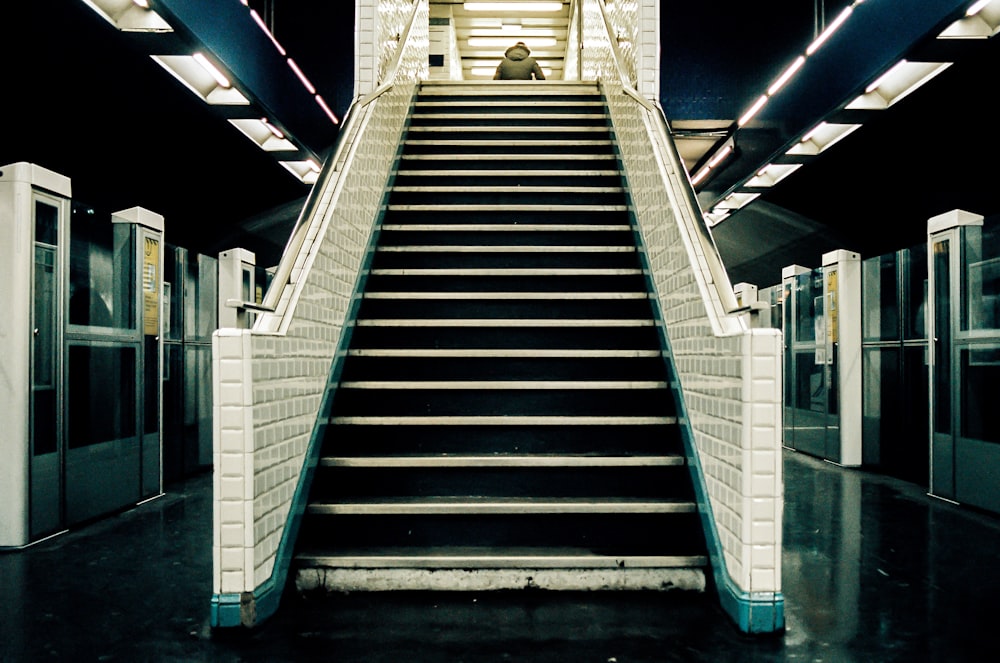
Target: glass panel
(980,373)
(43,369)
(201,293)
(981,291)
(173,304)
(100,394)
(44,318)
(261,282)
(46,223)
(942,342)
(914,263)
(809,404)
(880,298)
(102,268)
(151,385)
(808,289)
(198,405)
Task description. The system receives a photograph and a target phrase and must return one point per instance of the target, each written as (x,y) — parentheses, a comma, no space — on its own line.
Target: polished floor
(874,571)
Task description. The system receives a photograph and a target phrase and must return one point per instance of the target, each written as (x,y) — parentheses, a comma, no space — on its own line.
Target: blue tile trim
(762,612)
(253,608)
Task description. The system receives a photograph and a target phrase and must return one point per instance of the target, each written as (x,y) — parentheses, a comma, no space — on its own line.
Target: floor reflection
(874,571)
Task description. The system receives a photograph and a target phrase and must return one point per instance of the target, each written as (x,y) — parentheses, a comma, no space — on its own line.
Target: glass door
(104,371)
(806,376)
(965,313)
(46,457)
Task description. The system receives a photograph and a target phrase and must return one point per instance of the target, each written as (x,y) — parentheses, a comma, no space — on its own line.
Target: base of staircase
(376,580)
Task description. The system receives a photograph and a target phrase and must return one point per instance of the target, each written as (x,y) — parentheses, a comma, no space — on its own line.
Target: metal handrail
(345,140)
(720,278)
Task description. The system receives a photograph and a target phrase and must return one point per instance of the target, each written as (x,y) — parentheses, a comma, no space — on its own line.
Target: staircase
(503,418)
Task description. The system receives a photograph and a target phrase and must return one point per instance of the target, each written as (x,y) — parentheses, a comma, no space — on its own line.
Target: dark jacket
(518,65)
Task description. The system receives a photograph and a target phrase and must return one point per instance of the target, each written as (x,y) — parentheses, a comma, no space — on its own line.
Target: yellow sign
(831,287)
(150,291)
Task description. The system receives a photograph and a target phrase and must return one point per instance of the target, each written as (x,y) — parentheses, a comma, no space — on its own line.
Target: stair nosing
(497,506)
(453,142)
(502,352)
(503,385)
(499,560)
(510,156)
(506,227)
(502,420)
(503,460)
(505,248)
(506,271)
(491,296)
(527,188)
(472,172)
(507,322)
(511,116)
(445,207)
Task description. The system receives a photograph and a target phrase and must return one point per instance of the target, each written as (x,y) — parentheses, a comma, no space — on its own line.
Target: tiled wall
(730,375)
(269,381)
(636,28)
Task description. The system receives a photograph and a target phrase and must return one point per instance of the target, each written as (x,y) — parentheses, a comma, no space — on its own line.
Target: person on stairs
(518,65)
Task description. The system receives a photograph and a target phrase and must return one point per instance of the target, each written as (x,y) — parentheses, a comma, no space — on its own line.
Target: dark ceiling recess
(83,100)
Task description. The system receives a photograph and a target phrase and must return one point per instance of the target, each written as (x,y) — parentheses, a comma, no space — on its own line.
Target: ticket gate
(821,315)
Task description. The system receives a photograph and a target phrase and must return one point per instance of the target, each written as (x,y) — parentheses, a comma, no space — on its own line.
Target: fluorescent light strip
(211,69)
(513,6)
(326,109)
(273,129)
(302,77)
(878,81)
(500,42)
(260,22)
(141,3)
(837,22)
(788,73)
(976,7)
(753,110)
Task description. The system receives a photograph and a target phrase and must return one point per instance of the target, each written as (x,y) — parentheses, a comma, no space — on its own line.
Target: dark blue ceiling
(82,99)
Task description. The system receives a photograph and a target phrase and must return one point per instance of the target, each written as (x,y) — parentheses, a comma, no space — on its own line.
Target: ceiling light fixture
(129,16)
(976,7)
(513,6)
(219,77)
(501,42)
(273,129)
